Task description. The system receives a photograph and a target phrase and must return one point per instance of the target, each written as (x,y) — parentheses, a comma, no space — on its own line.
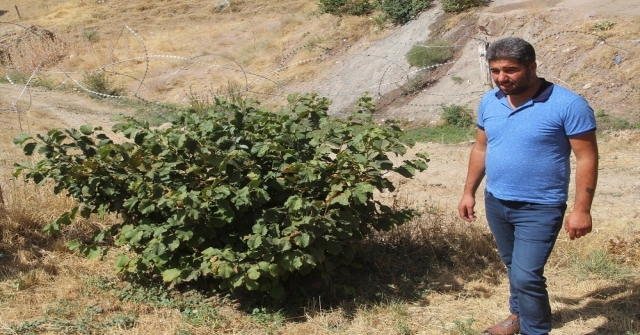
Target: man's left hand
(578,224)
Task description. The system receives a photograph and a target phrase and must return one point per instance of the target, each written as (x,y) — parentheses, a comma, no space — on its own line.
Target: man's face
(511,77)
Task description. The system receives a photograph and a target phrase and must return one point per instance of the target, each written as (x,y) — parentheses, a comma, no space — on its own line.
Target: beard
(516,87)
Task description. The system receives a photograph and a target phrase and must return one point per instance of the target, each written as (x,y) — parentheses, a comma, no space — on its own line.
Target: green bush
(604,25)
(396,11)
(244,196)
(430,53)
(348,7)
(460,5)
(90,35)
(402,11)
(98,82)
(456,115)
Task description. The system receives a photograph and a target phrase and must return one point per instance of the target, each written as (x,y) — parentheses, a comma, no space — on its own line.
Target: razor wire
(392,73)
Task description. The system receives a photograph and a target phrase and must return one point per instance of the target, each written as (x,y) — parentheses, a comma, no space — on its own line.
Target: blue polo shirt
(528,148)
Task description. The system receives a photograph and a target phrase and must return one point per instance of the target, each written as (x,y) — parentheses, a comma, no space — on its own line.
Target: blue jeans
(525,234)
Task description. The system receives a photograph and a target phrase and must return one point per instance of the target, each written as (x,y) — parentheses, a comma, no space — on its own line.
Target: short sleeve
(481,111)
(579,118)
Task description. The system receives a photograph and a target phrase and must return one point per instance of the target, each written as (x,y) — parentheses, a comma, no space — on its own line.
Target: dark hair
(512,48)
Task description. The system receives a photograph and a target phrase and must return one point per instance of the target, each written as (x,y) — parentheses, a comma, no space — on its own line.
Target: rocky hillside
(175,51)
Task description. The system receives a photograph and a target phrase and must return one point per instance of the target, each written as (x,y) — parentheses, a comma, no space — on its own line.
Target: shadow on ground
(619,304)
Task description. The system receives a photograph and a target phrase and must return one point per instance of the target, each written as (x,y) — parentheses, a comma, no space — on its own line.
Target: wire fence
(598,66)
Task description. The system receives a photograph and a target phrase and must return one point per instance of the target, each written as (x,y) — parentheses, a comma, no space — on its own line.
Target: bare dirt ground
(580,306)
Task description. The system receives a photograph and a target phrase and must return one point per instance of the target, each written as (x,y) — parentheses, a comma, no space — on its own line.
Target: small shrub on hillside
(99,82)
(244,196)
(607,122)
(402,11)
(14,76)
(90,35)
(430,53)
(221,5)
(456,115)
(346,7)
(603,25)
(460,5)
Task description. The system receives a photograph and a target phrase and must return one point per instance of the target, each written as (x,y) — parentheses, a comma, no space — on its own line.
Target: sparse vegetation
(603,25)
(607,122)
(90,35)
(346,7)
(460,5)
(463,327)
(601,264)
(430,53)
(457,125)
(397,12)
(459,116)
(402,11)
(99,82)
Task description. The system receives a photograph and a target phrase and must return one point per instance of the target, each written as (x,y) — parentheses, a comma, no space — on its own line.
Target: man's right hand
(465,208)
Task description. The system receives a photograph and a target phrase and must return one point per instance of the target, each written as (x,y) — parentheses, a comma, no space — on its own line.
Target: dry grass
(434,275)
(270,35)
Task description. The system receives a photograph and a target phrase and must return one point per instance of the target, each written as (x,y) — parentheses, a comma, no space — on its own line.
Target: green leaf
(260,229)
(294,203)
(285,244)
(122,262)
(334,247)
(85,211)
(170,275)
(297,262)
(275,270)
(102,211)
(29,148)
(406,170)
(264,266)
(52,228)
(130,203)
(251,285)
(86,129)
(229,255)
(74,245)
(225,270)
(146,206)
(302,240)
(254,242)
(184,235)
(424,156)
(174,244)
(362,192)
(92,252)
(238,281)
(253,273)
(420,164)
(277,292)
(18,140)
(342,199)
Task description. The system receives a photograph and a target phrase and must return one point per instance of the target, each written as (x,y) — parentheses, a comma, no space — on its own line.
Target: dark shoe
(509,326)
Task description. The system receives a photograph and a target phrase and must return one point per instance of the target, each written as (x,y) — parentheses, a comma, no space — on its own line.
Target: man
(527,128)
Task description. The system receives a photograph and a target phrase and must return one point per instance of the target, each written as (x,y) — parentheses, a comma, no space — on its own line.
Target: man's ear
(533,66)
